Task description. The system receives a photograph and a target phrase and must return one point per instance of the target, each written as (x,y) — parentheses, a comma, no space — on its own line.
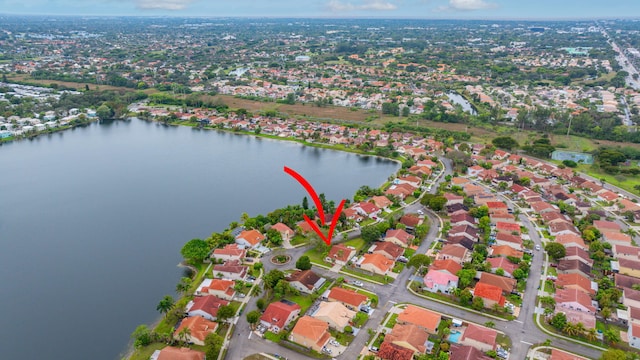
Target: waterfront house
(285,232)
(174,353)
(232,270)
(219,287)
(194,330)
(205,306)
(231,252)
(249,238)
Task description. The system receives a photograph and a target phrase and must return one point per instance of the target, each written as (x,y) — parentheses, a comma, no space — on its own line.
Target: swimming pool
(454,336)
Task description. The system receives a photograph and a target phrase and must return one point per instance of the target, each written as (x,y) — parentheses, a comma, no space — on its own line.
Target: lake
(456,98)
(92,221)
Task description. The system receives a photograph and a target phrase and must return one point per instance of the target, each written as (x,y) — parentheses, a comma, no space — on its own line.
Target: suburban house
(305,281)
(174,353)
(490,295)
(634,335)
(624,281)
(205,306)
(629,267)
(231,252)
(505,250)
(285,232)
(197,330)
(502,263)
(561,355)
(367,209)
(420,317)
(631,298)
(395,352)
(462,219)
(219,287)
(578,253)
(408,336)
(232,270)
(410,221)
(571,240)
(573,267)
(562,228)
(399,237)
(480,337)
(381,202)
(453,198)
(340,254)
(348,298)
(448,266)
(335,314)
(467,231)
(376,263)
(455,252)
(577,282)
(507,285)
(508,227)
(576,316)
(440,281)
(574,299)
(465,352)
(249,238)
(279,314)
(616,238)
(311,333)
(506,239)
(387,249)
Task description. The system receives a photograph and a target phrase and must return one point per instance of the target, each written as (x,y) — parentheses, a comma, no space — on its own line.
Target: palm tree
(569,328)
(184,334)
(612,336)
(591,334)
(183,286)
(165,305)
(580,329)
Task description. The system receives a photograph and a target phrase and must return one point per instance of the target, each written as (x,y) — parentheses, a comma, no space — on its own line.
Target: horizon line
(551,19)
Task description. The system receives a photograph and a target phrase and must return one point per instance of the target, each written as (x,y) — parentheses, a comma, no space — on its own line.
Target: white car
(538,247)
(420,212)
(358,283)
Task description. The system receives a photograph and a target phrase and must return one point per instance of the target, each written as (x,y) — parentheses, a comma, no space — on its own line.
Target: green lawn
(299,239)
(627,182)
(367,275)
(549,287)
(316,257)
(357,243)
(408,253)
(144,353)
(392,321)
(398,267)
(272,337)
(360,319)
(303,300)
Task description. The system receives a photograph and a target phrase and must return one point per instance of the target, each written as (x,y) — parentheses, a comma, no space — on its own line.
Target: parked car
(358,283)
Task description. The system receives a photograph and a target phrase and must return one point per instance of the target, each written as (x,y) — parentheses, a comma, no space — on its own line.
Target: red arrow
(316,200)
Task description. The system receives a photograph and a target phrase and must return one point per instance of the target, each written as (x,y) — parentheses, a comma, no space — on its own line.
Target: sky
(427,9)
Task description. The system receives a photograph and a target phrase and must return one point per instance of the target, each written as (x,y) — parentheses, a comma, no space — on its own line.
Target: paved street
(523,331)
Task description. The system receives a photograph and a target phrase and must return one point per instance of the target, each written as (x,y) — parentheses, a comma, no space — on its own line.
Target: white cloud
(162,4)
(376,5)
(468,5)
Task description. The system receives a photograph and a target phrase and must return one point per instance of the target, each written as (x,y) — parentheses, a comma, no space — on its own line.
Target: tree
(104,112)
(261,304)
(253,317)
(465,297)
(437,203)
(303,263)
(141,336)
(225,312)
(418,260)
(555,250)
(370,233)
(183,286)
(500,271)
(490,324)
(305,203)
(272,278)
(275,238)
(613,354)
(505,142)
(212,345)
(612,336)
(195,250)
(165,305)
(477,303)
(559,321)
(465,277)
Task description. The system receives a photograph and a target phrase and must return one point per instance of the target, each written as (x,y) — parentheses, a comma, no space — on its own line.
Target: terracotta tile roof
(489,292)
(347,296)
(389,351)
(174,353)
(462,217)
(381,201)
(561,355)
(399,234)
(306,277)
(338,314)
(446,265)
(341,252)
(208,304)
(253,237)
(230,250)
(505,250)
(464,352)
(392,249)
(502,263)
(625,281)
(631,294)
(603,224)
(410,220)
(481,334)
(506,284)
(379,261)
(312,329)
(581,281)
(577,251)
(421,317)
(278,312)
(564,296)
(410,334)
(616,236)
(562,226)
(508,227)
(282,228)
(506,237)
(571,265)
(304,226)
(496,205)
(199,327)
(629,264)
(453,250)
(565,239)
